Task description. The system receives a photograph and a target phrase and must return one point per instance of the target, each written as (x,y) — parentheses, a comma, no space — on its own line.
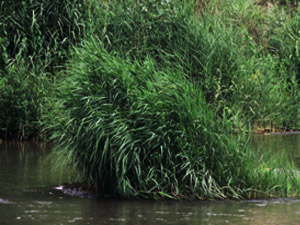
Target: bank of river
(28,196)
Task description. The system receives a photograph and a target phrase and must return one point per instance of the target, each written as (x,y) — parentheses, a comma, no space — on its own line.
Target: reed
(231,51)
(41,31)
(226,48)
(135,129)
(20,98)
(34,40)
(144,97)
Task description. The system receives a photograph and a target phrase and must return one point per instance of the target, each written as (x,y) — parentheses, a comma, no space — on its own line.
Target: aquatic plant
(34,40)
(230,50)
(149,103)
(41,31)
(222,48)
(134,129)
(20,98)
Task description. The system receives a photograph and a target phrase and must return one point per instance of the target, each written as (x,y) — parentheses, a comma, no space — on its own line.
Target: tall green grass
(262,88)
(172,32)
(220,45)
(134,129)
(146,102)
(42,31)
(232,51)
(34,40)
(21,93)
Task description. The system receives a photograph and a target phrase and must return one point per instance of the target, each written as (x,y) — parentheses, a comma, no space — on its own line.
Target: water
(28,197)
(289,144)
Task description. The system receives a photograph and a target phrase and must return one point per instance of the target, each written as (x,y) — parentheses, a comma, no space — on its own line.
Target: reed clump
(41,31)
(224,48)
(34,40)
(134,129)
(144,98)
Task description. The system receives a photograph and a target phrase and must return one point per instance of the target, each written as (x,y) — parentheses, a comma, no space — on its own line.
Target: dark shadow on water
(28,197)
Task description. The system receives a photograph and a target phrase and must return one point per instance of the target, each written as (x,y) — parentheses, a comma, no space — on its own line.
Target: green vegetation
(153,98)
(132,129)
(34,40)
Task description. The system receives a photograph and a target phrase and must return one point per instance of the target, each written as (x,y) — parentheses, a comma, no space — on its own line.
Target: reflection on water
(276,144)
(25,166)
(28,197)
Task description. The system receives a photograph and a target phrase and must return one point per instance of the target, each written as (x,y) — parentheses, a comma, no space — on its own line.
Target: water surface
(28,197)
(277,144)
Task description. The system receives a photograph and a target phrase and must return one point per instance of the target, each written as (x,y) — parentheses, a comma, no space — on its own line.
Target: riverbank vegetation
(153,98)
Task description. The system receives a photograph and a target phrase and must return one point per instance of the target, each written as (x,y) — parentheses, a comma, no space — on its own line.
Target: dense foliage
(151,98)
(34,40)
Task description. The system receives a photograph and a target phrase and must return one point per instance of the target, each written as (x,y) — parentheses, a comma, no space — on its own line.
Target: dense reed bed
(34,40)
(227,49)
(153,98)
(133,130)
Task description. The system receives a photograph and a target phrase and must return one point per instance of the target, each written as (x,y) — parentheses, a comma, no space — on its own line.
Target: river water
(28,196)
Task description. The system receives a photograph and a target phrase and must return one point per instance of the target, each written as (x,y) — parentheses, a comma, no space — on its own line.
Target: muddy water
(28,197)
